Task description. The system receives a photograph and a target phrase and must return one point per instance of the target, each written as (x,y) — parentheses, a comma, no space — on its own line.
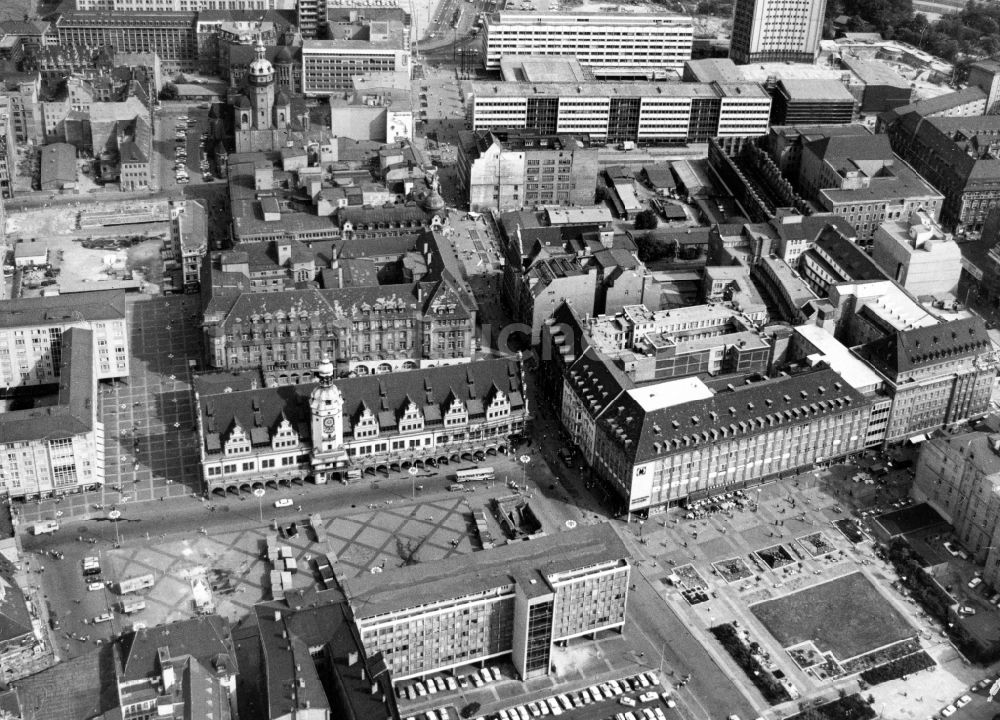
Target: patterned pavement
(232,563)
(148,419)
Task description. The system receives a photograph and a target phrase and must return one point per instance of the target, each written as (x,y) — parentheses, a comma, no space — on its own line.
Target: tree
(646,220)
(169,92)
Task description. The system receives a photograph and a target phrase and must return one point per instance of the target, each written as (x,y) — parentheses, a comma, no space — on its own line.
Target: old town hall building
(339,429)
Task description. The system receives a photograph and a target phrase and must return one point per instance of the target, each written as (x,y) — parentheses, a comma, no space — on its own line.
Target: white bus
(131,605)
(475,474)
(132,584)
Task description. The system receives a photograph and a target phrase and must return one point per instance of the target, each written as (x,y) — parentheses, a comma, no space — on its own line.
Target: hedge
(898,668)
(772,690)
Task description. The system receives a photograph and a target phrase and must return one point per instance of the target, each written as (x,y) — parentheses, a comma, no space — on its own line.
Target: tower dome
(324,372)
(261,71)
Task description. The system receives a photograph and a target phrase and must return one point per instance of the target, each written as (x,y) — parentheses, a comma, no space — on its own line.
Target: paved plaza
(234,566)
(150,442)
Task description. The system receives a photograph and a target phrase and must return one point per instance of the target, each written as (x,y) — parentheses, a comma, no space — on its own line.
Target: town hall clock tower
(326,406)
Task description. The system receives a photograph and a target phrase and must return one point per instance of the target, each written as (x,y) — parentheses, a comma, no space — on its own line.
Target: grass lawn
(847,616)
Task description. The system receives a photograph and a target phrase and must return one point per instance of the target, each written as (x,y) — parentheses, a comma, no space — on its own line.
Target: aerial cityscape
(498,359)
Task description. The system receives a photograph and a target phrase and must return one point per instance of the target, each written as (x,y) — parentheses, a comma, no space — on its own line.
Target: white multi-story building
(57,448)
(329,66)
(31,331)
(601,41)
(617,112)
(776,30)
(183,5)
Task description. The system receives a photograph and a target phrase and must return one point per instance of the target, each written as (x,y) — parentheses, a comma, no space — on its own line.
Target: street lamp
(113,516)
(413,480)
(524,460)
(259,493)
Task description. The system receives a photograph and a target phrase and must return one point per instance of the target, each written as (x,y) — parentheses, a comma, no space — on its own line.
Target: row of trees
(974,32)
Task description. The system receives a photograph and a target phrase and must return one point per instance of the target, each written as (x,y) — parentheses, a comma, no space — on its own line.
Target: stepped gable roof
(910,350)
(745,411)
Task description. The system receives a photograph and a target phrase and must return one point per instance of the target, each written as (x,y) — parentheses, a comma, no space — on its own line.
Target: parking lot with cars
(640,696)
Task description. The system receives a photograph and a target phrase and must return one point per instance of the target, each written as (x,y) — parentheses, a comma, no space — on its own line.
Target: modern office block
(596,40)
(619,112)
(776,30)
(31,330)
(514,601)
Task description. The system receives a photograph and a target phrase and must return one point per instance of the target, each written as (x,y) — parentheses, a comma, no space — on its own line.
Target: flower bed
(816,544)
(732,570)
(776,556)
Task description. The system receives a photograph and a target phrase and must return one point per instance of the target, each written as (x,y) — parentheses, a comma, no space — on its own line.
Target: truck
(43,528)
(627,145)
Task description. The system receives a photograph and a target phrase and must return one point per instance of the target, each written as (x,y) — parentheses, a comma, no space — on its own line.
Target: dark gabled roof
(856,262)
(908,350)
(264,408)
(746,411)
(91,306)
(129,152)
(205,638)
(15,621)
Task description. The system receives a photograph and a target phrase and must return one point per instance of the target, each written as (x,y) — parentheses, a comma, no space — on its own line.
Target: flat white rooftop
(670,393)
(854,371)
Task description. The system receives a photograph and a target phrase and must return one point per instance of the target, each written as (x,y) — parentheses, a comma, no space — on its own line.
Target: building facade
(602,41)
(959,476)
(776,30)
(506,171)
(852,173)
(328,66)
(31,331)
(812,102)
(659,444)
(171,35)
(938,376)
(957,155)
(57,449)
(342,429)
(187,245)
(918,255)
(609,112)
(515,601)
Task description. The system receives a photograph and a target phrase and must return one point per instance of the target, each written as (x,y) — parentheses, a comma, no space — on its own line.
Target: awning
(917,439)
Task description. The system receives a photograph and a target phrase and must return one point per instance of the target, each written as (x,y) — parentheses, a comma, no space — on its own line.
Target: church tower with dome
(326,406)
(260,80)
